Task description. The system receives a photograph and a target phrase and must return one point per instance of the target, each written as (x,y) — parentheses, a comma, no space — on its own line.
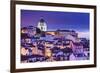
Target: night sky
(56,20)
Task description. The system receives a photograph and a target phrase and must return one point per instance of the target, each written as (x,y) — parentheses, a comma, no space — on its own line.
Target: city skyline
(57,20)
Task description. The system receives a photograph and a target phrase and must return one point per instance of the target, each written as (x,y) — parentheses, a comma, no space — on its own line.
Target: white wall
(5,36)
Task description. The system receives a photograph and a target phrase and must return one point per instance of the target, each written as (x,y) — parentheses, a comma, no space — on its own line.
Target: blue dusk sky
(56,20)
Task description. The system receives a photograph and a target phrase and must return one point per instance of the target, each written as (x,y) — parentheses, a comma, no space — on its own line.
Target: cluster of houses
(39,44)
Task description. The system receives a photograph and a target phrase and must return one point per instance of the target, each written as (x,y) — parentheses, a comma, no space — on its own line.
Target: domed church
(42,25)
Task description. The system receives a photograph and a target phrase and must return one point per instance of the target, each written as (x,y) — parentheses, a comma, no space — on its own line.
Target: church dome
(42,20)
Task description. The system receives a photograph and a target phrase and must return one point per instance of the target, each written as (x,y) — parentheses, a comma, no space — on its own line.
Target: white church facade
(42,25)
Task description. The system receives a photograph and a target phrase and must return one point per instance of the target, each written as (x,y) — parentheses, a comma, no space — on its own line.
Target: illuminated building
(42,25)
